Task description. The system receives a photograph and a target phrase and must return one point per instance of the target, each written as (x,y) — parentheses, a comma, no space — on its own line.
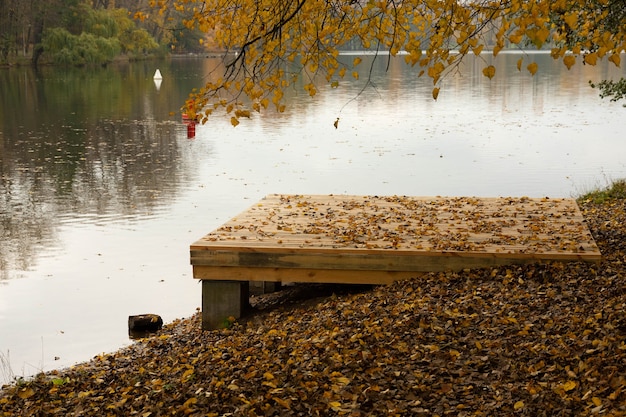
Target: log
(145,322)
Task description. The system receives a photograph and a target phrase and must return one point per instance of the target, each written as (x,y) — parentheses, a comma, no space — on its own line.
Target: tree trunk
(37,38)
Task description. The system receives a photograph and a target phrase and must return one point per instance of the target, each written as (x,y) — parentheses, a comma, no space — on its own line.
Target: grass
(6,373)
(616,190)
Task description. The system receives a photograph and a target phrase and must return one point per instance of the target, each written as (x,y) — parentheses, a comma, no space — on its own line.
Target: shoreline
(542,339)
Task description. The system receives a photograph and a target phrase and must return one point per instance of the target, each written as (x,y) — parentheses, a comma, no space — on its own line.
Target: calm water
(101,191)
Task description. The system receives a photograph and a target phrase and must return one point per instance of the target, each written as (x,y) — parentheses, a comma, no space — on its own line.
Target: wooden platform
(377,240)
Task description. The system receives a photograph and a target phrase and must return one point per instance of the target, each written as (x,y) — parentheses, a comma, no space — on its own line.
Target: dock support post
(264,287)
(221,300)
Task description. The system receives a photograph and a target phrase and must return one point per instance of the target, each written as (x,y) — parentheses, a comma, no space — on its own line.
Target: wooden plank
(328,276)
(342,276)
(428,224)
(422,261)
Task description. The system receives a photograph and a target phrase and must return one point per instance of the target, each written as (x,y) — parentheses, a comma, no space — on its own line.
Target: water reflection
(82,144)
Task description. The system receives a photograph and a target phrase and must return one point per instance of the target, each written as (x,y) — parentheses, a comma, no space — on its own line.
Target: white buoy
(157,75)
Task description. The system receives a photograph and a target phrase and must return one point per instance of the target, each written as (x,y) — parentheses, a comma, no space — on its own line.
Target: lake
(102,191)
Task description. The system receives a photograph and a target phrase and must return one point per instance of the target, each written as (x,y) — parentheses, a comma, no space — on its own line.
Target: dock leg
(271,286)
(221,300)
(264,287)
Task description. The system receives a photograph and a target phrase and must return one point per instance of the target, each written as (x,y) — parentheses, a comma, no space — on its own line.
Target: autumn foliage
(275,44)
(534,340)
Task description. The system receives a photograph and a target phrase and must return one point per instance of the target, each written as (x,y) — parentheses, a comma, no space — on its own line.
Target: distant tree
(133,39)
(51,14)
(97,38)
(14,29)
(24,23)
(65,48)
(267,35)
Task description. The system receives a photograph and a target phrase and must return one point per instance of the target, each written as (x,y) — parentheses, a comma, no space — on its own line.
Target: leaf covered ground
(537,340)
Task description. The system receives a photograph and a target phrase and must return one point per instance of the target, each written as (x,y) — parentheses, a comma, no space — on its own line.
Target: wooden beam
(222,301)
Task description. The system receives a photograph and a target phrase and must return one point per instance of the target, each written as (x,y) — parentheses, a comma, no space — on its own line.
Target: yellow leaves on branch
(435,71)
(569,61)
(489,71)
(310,88)
(591,58)
(280,43)
(615,58)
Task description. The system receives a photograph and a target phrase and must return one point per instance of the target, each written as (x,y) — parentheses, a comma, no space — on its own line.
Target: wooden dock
(378,240)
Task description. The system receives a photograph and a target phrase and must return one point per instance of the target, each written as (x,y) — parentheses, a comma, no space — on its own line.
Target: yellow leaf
(435,71)
(615,59)
(591,58)
(234,121)
(478,49)
(188,372)
(189,402)
(569,385)
(532,68)
(519,64)
(596,401)
(335,405)
(518,405)
(557,53)
(284,403)
(25,393)
(541,36)
(435,93)
(570,20)
(489,71)
(268,376)
(569,61)
(342,380)
(355,75)
(242,113)
(356,61)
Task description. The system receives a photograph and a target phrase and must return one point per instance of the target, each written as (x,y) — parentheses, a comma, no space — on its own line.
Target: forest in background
(83,32)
